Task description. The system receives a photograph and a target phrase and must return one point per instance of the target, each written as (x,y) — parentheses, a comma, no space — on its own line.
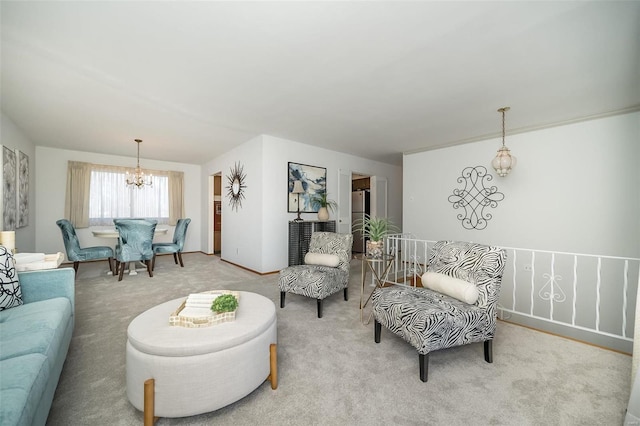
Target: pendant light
(138,178)
(504,161)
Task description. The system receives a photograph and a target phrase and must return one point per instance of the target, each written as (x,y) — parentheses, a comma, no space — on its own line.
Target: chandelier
(138,178)
(504,161)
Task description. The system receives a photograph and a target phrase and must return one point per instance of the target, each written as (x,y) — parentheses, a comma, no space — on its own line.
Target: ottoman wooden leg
(149,402)
(273,372)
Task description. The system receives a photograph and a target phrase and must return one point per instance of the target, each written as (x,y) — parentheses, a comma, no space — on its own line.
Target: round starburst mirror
(236,185)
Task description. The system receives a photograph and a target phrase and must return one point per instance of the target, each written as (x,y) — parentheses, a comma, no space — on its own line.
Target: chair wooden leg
(282,294)
(121,267)
(377,329)
(110,260)
(175,258)
(75,266)
(424,366)
(319,308)
(153,262)
(149,268)
(180,259)
(488,351)
(346,293)
(149,417)
(273,365)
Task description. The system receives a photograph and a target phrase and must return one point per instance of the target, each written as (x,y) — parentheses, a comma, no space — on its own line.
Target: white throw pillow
(454,287)
(323,259)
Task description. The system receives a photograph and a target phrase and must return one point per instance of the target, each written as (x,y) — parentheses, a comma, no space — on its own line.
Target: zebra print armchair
(325,272)
(430,320)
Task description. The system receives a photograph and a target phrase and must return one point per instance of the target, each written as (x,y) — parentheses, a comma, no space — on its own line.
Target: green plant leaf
(224,303)
(320,200)
(375,228)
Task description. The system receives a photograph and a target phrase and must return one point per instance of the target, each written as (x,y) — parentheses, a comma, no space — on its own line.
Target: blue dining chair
(176,246)
(135,237)
(77,254)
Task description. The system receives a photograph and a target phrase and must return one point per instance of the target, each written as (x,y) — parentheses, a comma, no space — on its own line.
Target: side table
(379,267)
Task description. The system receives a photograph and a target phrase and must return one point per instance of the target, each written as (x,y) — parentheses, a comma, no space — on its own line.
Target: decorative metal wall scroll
(551,290)
(475,197)
(235,189)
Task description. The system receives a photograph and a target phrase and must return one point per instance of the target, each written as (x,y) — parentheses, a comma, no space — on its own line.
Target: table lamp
(298,189)
(8,239)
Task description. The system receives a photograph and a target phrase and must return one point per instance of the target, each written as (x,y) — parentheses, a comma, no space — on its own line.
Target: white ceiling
(373,79)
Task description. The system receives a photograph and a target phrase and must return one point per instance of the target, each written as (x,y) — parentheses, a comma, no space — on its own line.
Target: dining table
(112,233)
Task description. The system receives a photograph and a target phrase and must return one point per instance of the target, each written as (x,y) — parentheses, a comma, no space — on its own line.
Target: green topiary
(224,303)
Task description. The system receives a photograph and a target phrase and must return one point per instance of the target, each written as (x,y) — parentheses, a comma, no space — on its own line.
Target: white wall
(14,138)
(241,237)
(50,186)
(576,188)
(256,236)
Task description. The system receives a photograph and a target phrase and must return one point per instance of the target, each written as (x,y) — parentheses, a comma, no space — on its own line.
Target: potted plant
(323,205)
(224,303)
(375,229)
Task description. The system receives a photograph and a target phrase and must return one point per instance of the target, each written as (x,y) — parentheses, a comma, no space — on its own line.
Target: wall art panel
(22,190)
(9,174)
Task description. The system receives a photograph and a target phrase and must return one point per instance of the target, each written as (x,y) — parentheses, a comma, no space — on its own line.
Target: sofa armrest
(47,284)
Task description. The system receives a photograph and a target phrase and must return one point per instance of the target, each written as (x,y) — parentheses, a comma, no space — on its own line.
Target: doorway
(361,194)
(217,214)
(360,206)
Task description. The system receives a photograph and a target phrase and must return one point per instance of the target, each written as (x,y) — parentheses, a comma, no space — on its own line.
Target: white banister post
(636,336)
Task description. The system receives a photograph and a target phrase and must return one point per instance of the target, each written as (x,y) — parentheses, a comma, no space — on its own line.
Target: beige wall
(50,193)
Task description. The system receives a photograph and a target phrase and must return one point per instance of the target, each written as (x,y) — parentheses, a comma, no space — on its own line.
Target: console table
(300,236)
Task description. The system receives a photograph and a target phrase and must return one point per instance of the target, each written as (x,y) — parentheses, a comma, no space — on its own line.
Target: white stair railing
(583,296)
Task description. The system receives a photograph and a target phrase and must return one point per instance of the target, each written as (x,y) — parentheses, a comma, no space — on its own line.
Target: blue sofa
(34,340)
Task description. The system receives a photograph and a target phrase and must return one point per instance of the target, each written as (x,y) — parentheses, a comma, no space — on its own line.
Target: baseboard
(248,269)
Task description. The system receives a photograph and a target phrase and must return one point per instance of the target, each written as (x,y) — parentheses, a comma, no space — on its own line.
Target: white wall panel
(265,224)
(575,189)
(13,138)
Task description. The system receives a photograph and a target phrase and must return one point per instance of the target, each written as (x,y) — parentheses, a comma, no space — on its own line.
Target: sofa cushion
(24,380)
(10,293)
(454,287)
(37,327)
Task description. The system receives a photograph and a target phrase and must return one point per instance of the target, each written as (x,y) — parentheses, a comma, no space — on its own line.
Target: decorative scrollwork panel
(475,197)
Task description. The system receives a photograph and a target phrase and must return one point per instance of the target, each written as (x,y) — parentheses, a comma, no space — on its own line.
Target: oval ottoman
(197,370)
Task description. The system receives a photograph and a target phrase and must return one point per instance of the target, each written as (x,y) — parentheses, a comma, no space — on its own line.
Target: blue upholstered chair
(75,253)
(325,272)
(176,246)
(135,237)
(462,310)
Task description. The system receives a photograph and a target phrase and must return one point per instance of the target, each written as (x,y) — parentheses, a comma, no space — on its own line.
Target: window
(110,197)
(97,193)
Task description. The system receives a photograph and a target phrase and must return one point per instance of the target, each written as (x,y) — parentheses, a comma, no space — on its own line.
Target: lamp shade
(504,161)
(8,240)
(297,187)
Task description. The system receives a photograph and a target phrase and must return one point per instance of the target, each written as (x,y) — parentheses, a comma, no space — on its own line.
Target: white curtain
(96,194)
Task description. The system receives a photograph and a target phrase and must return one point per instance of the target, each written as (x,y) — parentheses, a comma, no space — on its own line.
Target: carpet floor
(330,370)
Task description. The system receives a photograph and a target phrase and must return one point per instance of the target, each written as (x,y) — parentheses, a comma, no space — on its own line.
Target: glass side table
(380,268)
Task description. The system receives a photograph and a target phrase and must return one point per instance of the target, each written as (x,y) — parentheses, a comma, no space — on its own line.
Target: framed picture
(8,189)
(22,189)
(314,181)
